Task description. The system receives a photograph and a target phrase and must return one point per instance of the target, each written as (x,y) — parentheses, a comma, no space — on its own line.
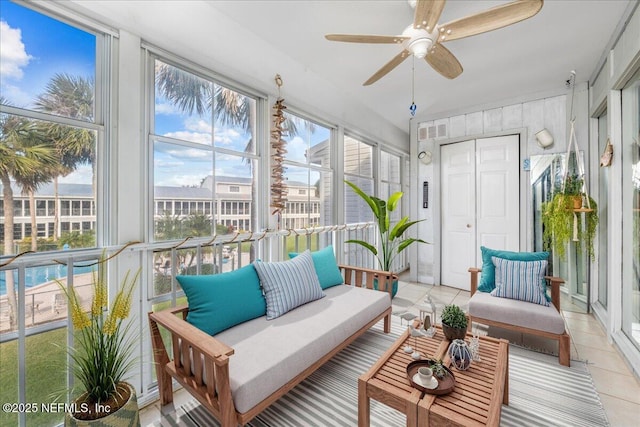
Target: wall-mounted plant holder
(607,155)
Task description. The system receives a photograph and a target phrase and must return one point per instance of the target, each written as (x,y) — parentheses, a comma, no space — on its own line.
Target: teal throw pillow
(326,267)
(520,280)
(288,284)
(488,276)
(220,301)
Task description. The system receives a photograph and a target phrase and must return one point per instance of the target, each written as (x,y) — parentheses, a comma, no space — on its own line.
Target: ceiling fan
(425,36)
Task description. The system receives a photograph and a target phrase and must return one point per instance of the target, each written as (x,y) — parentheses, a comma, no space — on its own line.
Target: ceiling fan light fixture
(420,47)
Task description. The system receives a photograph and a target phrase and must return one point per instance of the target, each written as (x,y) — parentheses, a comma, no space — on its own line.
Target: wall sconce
(545,140)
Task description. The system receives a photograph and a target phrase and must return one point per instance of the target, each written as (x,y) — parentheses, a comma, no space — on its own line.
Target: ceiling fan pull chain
(413,106)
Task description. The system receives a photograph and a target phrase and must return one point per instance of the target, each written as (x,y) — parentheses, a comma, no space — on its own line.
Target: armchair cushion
(488,277)
(520,280)
(516,313)
(220,301)
(326,267)
(288,284)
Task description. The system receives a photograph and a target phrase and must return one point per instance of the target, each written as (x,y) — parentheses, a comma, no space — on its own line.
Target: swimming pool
(38,275)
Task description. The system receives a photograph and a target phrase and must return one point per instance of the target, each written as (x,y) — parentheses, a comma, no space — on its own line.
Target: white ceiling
(532,57)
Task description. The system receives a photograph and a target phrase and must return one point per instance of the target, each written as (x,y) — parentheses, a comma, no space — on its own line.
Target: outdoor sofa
(241,370)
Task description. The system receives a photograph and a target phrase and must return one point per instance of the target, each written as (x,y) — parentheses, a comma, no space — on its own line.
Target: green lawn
(302,244)
(46,375)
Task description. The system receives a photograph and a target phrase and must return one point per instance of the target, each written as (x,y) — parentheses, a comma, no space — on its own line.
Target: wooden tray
(445,385)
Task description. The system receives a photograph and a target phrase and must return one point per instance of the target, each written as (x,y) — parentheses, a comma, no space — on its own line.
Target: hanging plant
(563,223)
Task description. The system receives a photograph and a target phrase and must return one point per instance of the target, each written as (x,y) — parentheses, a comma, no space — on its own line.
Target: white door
(480,203)
(458,196)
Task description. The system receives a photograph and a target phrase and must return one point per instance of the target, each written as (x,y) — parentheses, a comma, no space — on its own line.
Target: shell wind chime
(278,150)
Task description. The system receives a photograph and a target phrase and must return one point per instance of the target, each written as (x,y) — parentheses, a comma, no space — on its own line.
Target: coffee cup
(425,374)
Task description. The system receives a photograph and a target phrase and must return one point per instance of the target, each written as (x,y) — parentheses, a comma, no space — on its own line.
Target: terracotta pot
(127,416)
(577,202)
(453,333)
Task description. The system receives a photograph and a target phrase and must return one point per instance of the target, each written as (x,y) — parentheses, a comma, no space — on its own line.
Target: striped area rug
(542,393)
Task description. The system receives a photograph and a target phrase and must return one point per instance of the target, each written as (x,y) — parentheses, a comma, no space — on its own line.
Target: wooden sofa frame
(564,342)
(211,357)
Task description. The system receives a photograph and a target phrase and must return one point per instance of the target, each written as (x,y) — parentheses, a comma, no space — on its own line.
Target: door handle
(468,225)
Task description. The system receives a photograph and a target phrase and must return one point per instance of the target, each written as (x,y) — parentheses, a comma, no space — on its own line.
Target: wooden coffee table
(479,393)
(487,381)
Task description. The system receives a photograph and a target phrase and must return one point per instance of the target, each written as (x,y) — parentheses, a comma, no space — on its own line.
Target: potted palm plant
(392,242)
(102,355)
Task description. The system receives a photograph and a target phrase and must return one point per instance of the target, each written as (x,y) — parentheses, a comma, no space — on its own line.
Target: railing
(43,308)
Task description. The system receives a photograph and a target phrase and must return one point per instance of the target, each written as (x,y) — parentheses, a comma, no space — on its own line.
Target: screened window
(52,127)
(390,180)
(47,67)
(198,123)
(358,169)
(308,173)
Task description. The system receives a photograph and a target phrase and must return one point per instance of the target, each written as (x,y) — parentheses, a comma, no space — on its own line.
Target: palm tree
(26,158)
(73,97)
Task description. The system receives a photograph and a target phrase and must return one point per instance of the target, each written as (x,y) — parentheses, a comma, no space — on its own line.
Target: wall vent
(432,132)
(442,131)
(422,134)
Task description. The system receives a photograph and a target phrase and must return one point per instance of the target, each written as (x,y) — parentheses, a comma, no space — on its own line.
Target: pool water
(38,275)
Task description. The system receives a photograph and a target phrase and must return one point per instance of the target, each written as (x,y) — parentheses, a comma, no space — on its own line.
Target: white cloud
(82,175)
(228,136)
(197,125)
(16,95)
(13,56)
(297,149)
(166,108)
(199,137)
(171,154)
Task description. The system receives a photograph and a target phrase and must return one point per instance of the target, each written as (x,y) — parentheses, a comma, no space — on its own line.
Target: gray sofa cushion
(518,313)
(268,354)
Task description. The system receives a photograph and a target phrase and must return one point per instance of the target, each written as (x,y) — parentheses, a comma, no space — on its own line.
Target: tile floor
(618,388)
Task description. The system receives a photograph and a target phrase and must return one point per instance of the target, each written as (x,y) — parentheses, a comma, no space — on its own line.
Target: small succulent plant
(438,368)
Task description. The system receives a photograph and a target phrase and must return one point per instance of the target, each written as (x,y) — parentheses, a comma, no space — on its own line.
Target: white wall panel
(474,123)
(512,116)
(533,120)
(492,120)
(555,120)
(457,126)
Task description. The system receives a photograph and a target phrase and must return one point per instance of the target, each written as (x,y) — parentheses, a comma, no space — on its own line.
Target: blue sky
(34,47)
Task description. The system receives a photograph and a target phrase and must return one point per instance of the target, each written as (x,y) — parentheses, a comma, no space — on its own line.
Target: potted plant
(102,355)
(573,190)
(454,322)
(563,216)
(392,241)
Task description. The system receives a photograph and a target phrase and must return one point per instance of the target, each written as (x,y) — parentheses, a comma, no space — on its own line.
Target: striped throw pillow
(520,280)
(288,284)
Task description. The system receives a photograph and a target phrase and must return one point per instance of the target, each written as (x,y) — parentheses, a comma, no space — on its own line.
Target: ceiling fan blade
(397,60)
(443,61)
(427,13)
(490,19)
(362,38)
